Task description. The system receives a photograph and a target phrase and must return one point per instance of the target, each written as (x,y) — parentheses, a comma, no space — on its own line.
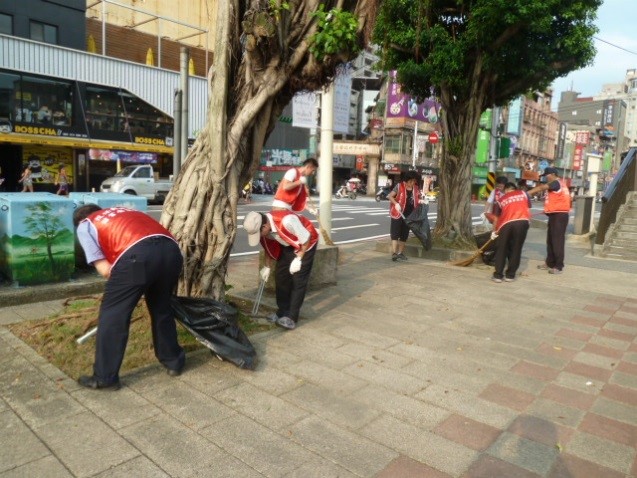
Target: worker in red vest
(511,228)
(556,206)
(290,240)
(293,192)
(137,256)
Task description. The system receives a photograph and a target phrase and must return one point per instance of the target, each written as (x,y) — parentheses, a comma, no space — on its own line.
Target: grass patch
(54,337)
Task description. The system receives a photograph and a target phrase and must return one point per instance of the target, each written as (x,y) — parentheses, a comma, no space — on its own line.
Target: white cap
(252,224)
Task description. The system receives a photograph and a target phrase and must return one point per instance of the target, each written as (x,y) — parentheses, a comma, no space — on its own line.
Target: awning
(83,143)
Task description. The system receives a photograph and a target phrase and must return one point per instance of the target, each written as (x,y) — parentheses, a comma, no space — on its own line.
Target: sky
(617,24)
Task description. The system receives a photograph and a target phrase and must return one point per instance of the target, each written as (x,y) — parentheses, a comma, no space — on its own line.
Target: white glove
(303,179)
(295,265)
(312,210)
(494,236)
(264,273)
(398,208)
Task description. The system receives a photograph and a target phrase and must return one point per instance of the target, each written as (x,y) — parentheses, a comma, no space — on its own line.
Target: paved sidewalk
(416,369)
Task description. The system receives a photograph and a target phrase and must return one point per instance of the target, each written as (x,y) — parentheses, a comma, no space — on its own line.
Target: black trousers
(555,239)
(511,239)
(291,288)
(150,268)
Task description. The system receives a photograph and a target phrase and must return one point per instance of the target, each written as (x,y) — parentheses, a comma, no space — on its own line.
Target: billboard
(402,105)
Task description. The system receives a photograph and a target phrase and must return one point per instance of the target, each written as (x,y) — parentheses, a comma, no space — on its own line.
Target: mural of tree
(42,223)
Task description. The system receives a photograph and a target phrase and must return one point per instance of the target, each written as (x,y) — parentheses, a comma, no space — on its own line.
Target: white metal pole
(185,99)
(414,153)
(326,160)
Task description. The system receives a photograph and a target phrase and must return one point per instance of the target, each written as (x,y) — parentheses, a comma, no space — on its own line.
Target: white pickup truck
(140,181)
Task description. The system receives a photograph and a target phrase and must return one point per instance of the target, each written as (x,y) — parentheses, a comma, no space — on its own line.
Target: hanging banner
(401,105)
(304,112)
(342,94)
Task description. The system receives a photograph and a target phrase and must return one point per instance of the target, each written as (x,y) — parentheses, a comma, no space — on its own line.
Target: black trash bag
(488,255)
(214,324)
(418,223)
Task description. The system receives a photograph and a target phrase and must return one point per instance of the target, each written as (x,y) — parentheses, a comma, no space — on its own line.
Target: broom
(469,261)
(326,236)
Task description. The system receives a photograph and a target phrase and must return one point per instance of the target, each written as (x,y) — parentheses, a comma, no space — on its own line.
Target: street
(361,219)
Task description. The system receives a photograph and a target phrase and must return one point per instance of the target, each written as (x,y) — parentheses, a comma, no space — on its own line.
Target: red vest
(273,247)
(401,197)
(558,201)
(514,206)
(119,229)
(296,197)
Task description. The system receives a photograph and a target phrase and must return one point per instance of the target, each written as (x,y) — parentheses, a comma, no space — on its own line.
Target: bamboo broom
(469,261)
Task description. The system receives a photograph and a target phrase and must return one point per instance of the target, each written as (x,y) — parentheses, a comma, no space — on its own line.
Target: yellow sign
(35,130)
(45,162)
(153,141)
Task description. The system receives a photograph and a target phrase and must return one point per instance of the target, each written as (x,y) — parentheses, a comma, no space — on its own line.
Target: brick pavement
(419,369)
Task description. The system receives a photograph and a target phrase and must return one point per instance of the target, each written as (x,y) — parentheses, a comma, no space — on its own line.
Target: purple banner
(401,105)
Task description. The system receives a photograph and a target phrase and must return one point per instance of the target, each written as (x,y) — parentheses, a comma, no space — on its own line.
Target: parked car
(140,181)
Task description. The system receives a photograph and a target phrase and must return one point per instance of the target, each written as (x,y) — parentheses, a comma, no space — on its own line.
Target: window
(6,24)
(44,101)
(392,145)
(44,33)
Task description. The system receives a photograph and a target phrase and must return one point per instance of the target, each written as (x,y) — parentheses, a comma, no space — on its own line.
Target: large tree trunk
(258,67)
(460,122)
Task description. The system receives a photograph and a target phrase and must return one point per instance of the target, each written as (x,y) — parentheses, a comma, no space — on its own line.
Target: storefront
(91,130)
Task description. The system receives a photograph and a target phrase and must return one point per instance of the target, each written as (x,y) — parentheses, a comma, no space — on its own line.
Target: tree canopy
(474,54)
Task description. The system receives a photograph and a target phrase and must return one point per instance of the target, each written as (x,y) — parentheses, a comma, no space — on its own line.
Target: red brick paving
(620,320)
(508,397)
(556,351)
(629,309)
(540,372)
(620,394)
(568,396)
(610,429)
(470,433)
(603,351)
(578,319)
(612,334)
(632,348)
(606,309)
(611,301)
(488,466)
(627,367)
(405,467)
(569,466)
(541,430)
(588,371)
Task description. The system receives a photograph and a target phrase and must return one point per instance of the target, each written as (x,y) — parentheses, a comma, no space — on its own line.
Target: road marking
(353,227)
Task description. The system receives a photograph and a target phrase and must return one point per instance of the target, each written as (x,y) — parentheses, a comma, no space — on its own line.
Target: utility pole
(326,160)
(414,152)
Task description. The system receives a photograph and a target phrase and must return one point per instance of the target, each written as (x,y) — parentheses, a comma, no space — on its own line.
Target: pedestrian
(404,198)
(292,192)
(511,228)
(557,205)
(290,240)
(137,256)
(490,212)
(62,181)
(27,180)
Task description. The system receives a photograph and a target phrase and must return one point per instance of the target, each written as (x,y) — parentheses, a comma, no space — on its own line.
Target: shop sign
(45,162)
(391,168)
(288,157)
(45,130)
(151,141)
(124,156)
(401,105)
(356,148)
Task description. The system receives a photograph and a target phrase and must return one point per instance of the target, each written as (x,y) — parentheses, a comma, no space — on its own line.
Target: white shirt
(290,175)
(293,224)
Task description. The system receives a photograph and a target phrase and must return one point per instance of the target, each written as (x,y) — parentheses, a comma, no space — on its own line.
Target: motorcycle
(343,193)
(382,194)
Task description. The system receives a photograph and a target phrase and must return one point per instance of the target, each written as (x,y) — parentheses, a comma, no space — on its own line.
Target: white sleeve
(491,198)
(293,224)
(290,175)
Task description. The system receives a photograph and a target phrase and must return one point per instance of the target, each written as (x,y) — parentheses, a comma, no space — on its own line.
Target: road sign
(433,137)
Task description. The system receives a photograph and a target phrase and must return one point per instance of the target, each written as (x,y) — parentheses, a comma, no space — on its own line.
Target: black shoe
(394,257)
(92,382)
(401,257)
(174,373)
